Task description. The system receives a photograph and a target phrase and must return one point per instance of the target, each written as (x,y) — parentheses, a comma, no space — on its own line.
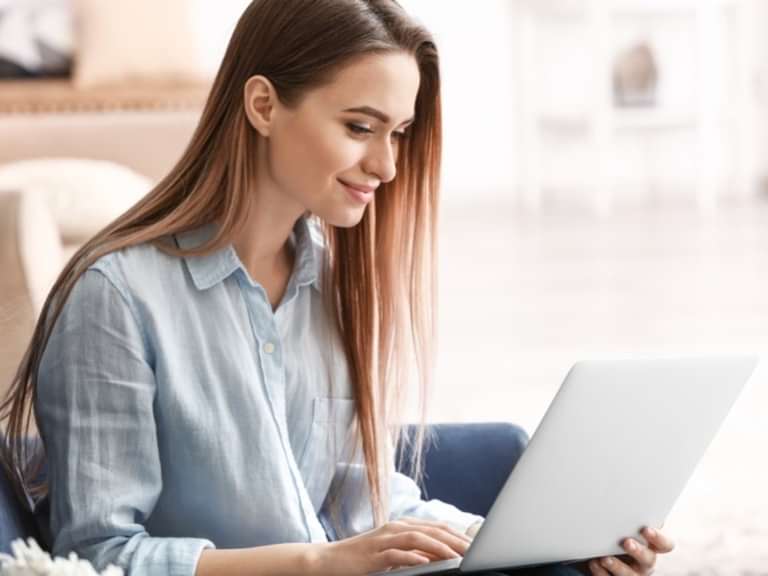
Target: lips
(358,194)
(359,187)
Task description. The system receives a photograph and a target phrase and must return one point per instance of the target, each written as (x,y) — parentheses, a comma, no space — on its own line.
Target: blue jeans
(549,570)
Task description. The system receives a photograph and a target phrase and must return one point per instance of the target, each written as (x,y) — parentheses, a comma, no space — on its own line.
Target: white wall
(759,86)
(479,104)
(215,21)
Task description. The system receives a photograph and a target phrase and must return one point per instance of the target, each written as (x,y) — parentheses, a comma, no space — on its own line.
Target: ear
(259,101)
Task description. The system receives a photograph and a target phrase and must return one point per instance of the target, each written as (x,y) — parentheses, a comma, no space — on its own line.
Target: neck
(262,243)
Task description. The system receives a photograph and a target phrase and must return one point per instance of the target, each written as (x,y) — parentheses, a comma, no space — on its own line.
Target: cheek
(307,160)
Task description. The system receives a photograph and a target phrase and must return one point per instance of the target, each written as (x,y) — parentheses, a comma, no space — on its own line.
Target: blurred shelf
(556,9)
(673,8)
(761,86)
(653,120)
(62,96)
(620,119)
(579,9)
(654,9)
(564,121)
(591,139)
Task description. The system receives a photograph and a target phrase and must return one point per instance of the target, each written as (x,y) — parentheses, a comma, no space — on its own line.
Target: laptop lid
(613,452)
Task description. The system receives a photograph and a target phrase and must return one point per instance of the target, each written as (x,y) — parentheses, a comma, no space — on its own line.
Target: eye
(360,130)
(357,129)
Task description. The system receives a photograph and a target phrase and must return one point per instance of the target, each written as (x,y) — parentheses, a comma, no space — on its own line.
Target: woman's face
(314,150)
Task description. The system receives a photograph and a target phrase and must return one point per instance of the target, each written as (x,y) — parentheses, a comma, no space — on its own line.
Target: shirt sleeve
(94,407)
(406,500)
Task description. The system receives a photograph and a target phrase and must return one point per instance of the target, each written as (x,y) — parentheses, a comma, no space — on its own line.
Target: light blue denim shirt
(180,412)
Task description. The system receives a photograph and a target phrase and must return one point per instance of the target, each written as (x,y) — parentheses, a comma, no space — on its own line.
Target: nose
(381,161)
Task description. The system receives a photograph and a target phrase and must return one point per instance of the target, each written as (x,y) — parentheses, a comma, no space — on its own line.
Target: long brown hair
(381,278)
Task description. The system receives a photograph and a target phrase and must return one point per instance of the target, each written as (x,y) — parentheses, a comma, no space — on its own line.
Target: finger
(441,525)
(394,558)
(642,554)
(460,545)
(430,557)
(427,555)
(415,540)
(657,541)
(615,566)
(596,569)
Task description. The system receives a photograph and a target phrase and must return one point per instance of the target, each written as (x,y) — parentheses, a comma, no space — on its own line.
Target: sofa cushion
(169,52)
(17,315)
(15,520)
(20,515)
(39,247)
(83,195)
(466,464)
(36,38)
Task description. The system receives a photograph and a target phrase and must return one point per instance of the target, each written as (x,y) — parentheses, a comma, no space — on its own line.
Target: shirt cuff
(473,529)
(186,554)
(158,556)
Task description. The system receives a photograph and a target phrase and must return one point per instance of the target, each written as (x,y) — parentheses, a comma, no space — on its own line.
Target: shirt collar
(210,269)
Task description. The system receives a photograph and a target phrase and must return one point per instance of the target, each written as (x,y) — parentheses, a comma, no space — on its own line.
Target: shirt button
(269,348)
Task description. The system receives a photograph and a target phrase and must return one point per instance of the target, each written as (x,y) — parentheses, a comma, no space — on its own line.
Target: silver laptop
(613,452)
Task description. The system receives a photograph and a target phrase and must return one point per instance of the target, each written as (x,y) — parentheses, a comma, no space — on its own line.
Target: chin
(343,219)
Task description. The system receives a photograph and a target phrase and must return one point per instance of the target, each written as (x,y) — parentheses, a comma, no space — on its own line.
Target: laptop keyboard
(449,566)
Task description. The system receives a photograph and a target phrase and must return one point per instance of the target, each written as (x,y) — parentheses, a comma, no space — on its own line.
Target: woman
(199,363)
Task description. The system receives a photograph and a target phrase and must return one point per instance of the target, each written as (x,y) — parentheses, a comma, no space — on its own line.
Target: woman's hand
(643,558)
(403,542)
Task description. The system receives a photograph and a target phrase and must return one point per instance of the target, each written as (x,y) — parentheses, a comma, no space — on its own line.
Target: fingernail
(607,561)
(651,532)
(631,545)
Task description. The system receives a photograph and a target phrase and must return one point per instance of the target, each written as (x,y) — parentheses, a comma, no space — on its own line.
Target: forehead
(387,82)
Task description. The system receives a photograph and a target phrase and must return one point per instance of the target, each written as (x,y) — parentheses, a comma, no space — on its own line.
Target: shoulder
(135,270)
(106,293)
(137,258)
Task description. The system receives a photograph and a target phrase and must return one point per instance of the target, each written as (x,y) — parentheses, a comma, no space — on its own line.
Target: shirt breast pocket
(331,422)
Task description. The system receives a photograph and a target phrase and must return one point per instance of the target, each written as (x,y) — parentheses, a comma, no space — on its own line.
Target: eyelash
(360,130)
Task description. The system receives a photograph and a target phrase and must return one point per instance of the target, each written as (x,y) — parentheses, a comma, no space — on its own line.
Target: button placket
(272,369)
(274,361)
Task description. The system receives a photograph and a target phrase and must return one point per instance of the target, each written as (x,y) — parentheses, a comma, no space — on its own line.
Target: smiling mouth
(361,188)
(362,196)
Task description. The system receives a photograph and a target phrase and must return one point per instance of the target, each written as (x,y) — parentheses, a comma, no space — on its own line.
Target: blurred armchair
(48,208)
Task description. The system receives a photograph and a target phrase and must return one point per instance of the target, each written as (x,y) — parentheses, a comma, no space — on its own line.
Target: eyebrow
(378,114)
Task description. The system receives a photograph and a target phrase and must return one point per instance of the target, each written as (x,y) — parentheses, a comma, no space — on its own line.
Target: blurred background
(605,189)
